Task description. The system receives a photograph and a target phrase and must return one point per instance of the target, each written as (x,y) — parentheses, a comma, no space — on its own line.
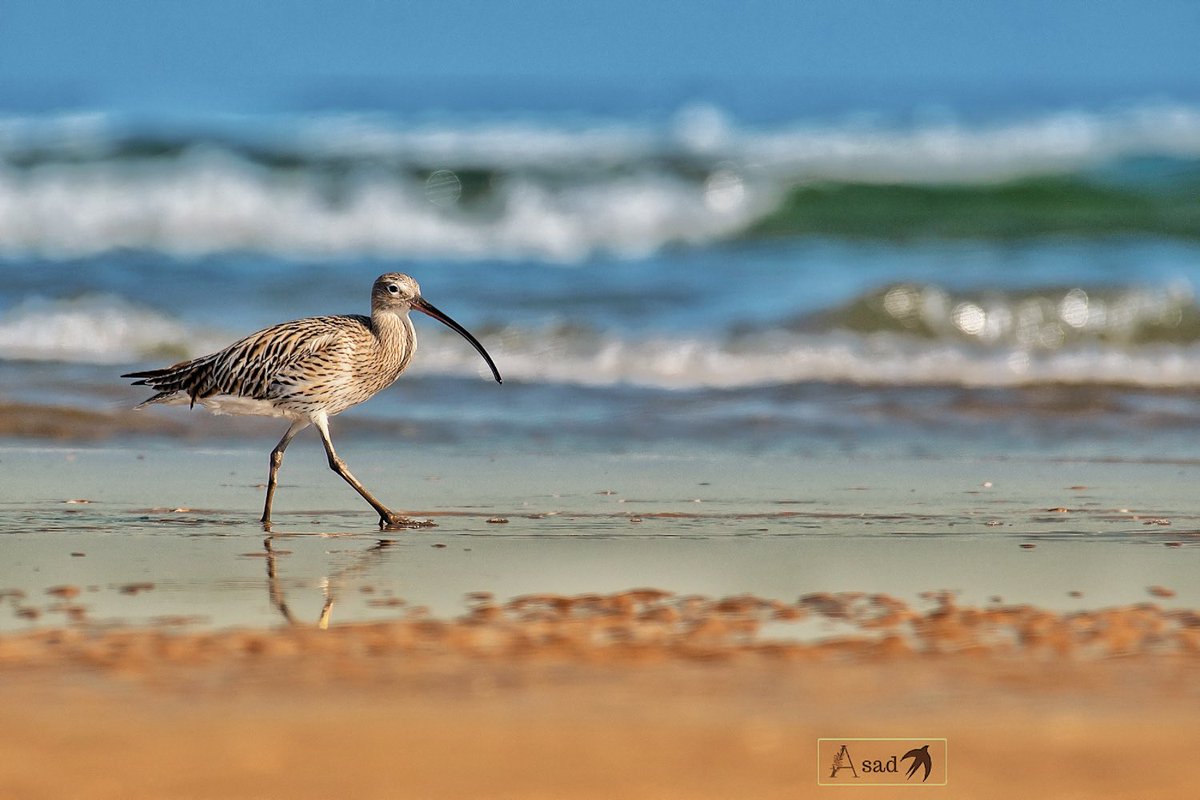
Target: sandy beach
(806,402)
(632,626)
(373,712)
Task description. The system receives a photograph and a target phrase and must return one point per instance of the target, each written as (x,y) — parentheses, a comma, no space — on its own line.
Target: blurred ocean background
(989,255)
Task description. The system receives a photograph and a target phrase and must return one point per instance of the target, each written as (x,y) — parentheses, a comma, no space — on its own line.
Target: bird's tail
(187,377)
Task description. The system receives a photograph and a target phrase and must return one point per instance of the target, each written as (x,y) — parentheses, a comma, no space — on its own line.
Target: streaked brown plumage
(308,370)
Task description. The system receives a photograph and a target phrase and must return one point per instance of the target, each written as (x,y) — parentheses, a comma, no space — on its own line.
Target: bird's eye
(393,288)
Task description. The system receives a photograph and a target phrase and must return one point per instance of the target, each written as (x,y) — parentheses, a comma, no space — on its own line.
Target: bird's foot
(396,522)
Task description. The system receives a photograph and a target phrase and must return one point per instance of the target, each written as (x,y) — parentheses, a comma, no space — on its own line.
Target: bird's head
(394,291)
(398,293)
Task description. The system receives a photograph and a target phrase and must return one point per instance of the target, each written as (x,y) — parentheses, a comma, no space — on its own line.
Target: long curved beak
(425,307)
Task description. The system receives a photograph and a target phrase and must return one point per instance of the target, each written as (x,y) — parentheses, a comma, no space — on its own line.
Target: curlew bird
(308,370)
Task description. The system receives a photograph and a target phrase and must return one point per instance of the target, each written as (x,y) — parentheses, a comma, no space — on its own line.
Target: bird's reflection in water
(330,584)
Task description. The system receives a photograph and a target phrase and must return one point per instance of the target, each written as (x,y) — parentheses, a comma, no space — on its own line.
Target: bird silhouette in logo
(921,758)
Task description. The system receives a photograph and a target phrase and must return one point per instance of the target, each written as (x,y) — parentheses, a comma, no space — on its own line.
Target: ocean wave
(1070,205)
(97,329)
(331,186)
(208,201)
(838,357)
(929,337)
(1041,319)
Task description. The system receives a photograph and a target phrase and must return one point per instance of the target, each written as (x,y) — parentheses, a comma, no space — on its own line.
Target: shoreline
(1063,537)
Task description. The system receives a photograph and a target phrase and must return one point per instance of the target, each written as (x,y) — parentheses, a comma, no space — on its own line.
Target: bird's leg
(276,460)
(387,517)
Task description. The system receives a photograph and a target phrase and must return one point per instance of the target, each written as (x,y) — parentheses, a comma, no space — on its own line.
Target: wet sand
(636,626)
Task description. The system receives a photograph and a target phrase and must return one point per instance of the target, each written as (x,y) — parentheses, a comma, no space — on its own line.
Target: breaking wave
(904,335)
(333,186)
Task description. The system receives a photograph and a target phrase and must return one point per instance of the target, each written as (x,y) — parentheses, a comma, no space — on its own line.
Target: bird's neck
(396,335)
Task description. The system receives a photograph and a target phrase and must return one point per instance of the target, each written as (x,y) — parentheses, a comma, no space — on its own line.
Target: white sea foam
(95,329)
(955,152)
(780,359)
(936,151)
(211,201)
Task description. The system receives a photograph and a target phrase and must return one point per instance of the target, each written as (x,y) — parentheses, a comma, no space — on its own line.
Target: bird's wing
(261,366)
(270,363)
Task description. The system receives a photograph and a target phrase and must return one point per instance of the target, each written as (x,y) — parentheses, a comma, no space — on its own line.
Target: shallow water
(1074,535)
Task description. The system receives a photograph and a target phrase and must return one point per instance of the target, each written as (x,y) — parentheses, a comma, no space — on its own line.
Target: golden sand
(637,694)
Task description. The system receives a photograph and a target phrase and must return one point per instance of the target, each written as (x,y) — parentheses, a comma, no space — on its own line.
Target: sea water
(976,281)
